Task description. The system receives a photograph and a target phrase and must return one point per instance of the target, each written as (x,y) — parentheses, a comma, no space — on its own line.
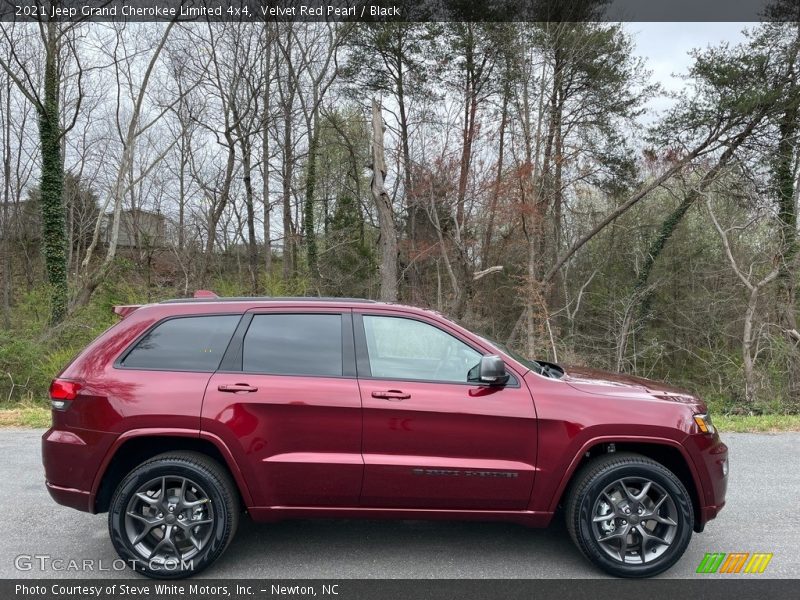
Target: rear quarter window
(183,344)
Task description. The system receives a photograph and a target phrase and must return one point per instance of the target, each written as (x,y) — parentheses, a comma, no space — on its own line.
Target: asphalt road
(761,516)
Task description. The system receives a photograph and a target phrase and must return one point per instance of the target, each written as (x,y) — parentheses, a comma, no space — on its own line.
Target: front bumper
(710,457)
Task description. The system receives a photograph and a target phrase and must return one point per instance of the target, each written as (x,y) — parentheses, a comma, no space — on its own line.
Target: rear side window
(184,344)
(294,345)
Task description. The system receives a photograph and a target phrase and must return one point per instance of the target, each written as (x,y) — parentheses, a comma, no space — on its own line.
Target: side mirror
(490,371)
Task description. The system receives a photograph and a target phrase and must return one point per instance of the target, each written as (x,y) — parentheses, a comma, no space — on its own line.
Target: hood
(593,381)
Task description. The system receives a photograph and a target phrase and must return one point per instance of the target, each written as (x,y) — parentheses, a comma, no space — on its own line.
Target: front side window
(407,349)
(184,344)
(280,344)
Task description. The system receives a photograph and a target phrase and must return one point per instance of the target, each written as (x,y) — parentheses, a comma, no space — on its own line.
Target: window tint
(184,344)
(406,349)
(294,345)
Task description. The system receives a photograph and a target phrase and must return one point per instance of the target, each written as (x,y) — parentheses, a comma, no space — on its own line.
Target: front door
(288,403)
(431,439)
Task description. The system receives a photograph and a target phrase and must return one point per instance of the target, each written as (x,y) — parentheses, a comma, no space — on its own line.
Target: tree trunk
(747,345)
(468,132)
(252,247)
(308,209)
(265,160)
(267,205)
(182,193)
(489,231)
(388,265)
(6,218)
(415,212)
(288,242)
(52,182)
(218,208)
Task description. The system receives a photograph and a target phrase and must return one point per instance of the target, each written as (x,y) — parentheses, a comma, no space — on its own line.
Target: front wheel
(629,515)
(173,515)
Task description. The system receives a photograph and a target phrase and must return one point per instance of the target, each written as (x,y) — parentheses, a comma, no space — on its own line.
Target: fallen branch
(479,274)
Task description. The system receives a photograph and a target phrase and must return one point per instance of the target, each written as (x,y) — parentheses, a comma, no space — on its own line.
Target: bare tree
(754,286)
(388,264)
(129,130)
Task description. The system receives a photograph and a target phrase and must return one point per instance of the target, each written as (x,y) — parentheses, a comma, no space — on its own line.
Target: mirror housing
(490,371)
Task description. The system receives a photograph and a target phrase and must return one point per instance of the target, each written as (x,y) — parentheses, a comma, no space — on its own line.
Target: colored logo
(735,562)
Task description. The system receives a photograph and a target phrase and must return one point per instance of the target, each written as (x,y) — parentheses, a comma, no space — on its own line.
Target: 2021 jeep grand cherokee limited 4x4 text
(187,412)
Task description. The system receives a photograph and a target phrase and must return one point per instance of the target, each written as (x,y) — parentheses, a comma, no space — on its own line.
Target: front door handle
(237,387)
(391,395)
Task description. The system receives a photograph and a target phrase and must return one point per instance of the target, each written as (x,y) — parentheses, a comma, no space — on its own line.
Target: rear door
(432,439)
(286,398)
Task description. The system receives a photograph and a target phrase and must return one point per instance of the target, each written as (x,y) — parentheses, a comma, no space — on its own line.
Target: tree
(785,176)
(129,131)
(586,75)
(58,46)
(754,285)
(388,235)
(477,50)
(390,59)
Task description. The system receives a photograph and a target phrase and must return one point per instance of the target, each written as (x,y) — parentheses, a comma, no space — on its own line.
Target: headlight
(704,424)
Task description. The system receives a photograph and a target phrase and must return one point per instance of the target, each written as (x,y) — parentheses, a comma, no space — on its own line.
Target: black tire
(602,542)
(206,507)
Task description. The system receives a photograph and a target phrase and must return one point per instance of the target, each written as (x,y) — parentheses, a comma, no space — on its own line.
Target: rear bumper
(77,499)
(72,459)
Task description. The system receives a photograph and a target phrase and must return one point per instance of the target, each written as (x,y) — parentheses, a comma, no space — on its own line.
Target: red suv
(188,412)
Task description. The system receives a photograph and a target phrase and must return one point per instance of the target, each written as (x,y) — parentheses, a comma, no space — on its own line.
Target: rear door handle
(391,395)
(237,387)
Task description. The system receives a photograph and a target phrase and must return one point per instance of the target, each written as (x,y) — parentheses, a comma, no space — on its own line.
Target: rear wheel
(629,515)
(173,515)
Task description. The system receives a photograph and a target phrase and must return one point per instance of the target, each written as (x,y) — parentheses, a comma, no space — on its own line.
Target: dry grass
(25,416)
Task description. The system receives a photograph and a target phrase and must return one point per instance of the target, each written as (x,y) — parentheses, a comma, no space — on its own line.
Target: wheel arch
(136,446)
(664,451)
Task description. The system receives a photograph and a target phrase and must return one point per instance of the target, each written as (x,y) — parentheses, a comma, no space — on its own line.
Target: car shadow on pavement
(389,549)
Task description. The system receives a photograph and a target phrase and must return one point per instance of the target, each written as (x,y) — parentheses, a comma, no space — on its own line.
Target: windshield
(530,363)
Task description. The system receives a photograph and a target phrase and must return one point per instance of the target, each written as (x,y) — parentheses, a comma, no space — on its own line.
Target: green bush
(24,369)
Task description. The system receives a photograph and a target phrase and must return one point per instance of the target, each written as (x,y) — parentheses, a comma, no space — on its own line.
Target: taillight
(62,392)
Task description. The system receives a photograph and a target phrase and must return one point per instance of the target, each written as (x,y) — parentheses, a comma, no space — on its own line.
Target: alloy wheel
(634,520)
(169,520)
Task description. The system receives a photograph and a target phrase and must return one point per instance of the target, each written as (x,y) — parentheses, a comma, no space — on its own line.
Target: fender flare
(607,439)
(218,443)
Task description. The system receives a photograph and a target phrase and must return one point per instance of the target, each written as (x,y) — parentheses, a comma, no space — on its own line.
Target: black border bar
(736,586)
(255,11)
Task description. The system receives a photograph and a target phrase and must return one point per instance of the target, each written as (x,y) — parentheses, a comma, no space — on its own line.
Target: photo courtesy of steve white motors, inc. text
(208,9)
(172,589)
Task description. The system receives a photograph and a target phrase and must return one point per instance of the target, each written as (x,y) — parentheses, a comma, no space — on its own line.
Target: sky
(666,47)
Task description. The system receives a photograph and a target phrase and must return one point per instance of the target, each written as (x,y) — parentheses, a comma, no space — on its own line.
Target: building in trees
(139,229)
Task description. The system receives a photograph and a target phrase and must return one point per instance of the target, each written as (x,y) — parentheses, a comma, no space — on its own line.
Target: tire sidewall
(673,487)
(141,475)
